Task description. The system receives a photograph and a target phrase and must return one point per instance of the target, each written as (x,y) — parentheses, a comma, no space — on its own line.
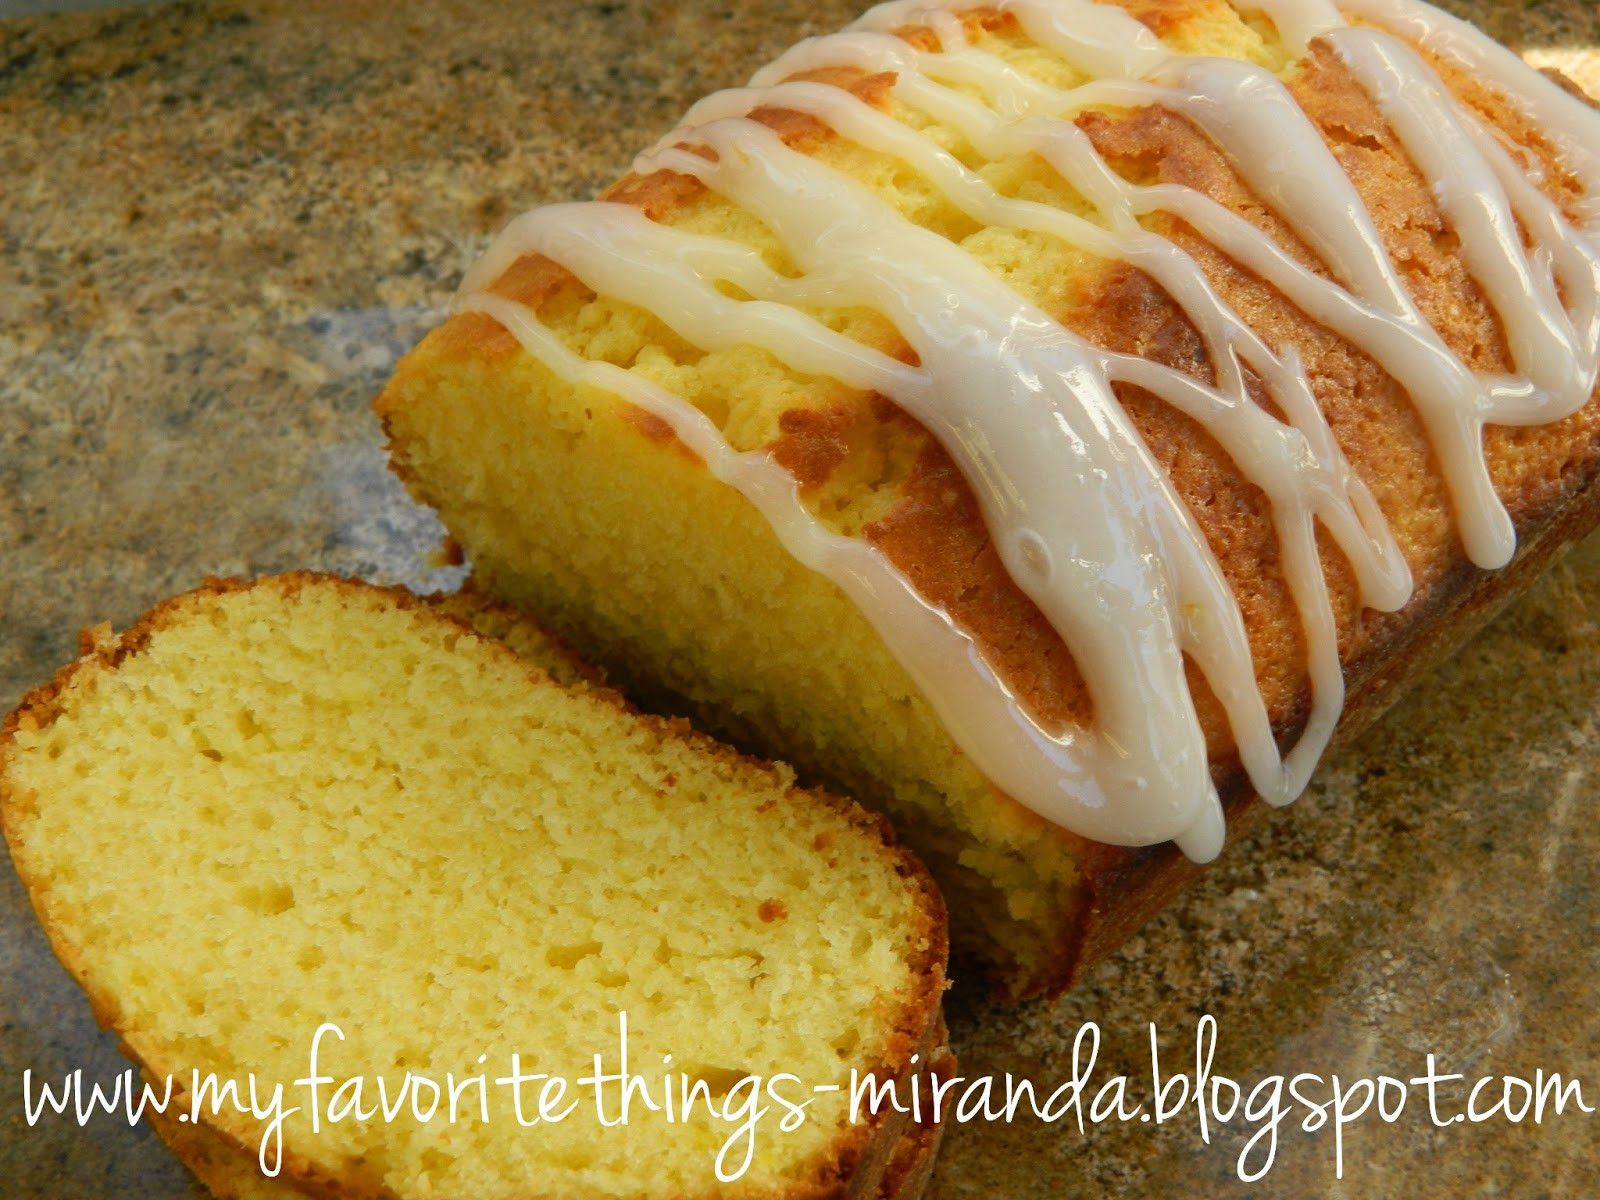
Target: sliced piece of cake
(271,809)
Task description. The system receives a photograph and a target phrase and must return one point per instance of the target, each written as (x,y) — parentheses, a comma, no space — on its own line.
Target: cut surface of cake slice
(309,828)
(1047,421)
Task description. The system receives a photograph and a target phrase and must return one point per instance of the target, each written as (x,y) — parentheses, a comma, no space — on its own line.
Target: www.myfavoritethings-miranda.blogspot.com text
(612,1094)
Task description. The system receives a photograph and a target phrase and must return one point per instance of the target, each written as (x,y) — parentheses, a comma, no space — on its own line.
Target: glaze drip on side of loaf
(1082,516)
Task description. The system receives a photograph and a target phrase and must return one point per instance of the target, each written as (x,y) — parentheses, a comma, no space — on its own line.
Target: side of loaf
(274,807)
(529,419)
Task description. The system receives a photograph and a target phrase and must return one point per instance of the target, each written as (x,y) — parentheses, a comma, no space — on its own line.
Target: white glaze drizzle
(1081,515)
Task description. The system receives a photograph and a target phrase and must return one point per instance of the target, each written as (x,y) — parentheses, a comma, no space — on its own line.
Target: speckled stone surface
(222,223)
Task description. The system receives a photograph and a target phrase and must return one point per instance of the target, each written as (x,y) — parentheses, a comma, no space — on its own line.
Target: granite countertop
(224,221)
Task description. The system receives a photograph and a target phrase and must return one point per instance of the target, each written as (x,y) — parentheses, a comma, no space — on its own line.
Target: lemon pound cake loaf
(1048,420)
(395,914)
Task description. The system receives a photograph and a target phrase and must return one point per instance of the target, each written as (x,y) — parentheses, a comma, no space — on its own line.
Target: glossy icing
(1082,516)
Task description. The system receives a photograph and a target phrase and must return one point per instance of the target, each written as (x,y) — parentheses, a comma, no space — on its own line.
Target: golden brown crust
(861,1154)
(811,443)
(936,536)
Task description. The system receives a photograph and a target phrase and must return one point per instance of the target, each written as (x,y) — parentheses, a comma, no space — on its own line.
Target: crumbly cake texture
(575,504)
(307,800)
